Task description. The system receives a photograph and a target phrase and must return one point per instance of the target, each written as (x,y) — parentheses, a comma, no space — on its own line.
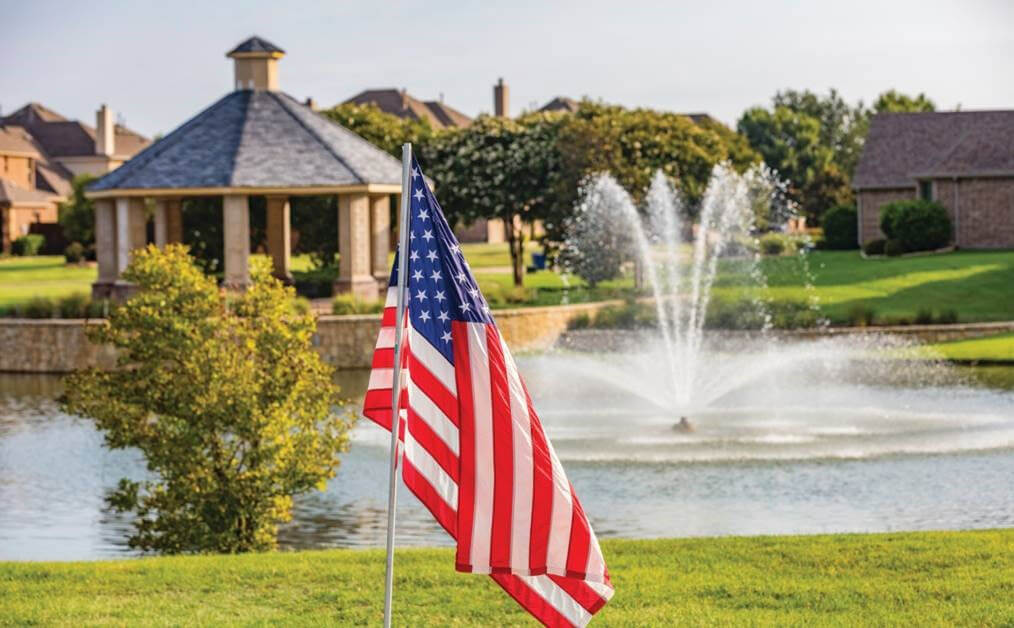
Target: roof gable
(255,44)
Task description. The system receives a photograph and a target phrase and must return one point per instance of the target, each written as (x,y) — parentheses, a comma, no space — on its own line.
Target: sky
(159,63)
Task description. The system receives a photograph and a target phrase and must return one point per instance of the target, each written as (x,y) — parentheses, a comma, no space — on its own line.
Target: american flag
(473,448)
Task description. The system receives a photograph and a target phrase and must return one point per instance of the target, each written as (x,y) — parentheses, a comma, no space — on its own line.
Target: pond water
(859,456)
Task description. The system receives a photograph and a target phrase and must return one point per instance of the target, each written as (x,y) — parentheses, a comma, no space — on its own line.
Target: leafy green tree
(225,397)
(77,214)
(382,129)
(842,126)
(497,168)
(893,101)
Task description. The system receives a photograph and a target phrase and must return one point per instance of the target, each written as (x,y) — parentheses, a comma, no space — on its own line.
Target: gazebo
(255,141)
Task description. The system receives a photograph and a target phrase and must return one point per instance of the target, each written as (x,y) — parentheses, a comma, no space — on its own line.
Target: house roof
(561,103)
(400,103)
(14,139)
(60,137)
(255,139)
(255,44)
(901,147)
(13,194)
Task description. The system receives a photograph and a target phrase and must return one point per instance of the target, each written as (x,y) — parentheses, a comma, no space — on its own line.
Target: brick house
(963,160)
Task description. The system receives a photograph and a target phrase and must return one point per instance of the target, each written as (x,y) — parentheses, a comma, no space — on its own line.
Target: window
(926,190)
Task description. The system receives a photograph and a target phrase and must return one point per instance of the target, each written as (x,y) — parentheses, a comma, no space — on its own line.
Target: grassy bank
(998,348)
(934,578)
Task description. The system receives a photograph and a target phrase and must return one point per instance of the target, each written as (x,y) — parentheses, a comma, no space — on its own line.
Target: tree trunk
(516,244)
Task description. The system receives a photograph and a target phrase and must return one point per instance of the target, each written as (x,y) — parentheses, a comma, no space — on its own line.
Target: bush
(924,316)
(875,247)
(349,304)
(38,307)
(224,396)
(893,248)
(841,228)
(28,245)
(917,225)
(773,243)
(315,284)
(861,316)
(74,253)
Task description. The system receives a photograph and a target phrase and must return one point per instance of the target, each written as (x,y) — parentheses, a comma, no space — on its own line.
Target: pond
(861,453)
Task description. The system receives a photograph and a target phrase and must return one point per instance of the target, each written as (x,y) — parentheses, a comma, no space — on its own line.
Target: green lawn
(22,278)
(901,579)
(998,348)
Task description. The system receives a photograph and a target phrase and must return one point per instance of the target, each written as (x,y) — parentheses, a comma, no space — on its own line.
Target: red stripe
(583,594)
(377,407)
(542,491)
(503,455)
(421,488)
(466,448)
(383,358)
(580,538)
(389,316)
(428,439)
(434,388)
(531,601)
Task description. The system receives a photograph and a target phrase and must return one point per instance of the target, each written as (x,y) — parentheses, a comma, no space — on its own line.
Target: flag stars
(423,214)
(443,316)
(414,256)
(446,337)
(465,307)
(436,276)
(418,194)
(474,293)
(417,275)
(455,248)
(415,173)
(439,296)
(427,235)
(424,316)
(432,255)
(461,277)
(421,295)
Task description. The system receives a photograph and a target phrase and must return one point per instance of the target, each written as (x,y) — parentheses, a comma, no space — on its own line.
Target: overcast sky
(159,63)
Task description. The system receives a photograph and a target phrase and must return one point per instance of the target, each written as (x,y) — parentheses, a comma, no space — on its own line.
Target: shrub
(948,317)
(875,247)
(39,307)
(226,399)
(581,321)
(28,244)
(315,284)
(924,316)
(775,244)
(349,304)
(74,253)
(893,248)
(917,225)
(861,315)
(74,306)
(841,228)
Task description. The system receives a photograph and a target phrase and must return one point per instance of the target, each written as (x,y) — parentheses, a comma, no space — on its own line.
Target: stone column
(130,235)
(174,220)
(105,248)
(354,266)
(161,223)
(380,234)
(236,227)
(279,236)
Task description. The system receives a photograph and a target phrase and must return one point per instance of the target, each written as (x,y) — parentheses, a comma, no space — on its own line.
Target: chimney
(105,132)
(501,99)
(404,98)
(256,64)
(311,103)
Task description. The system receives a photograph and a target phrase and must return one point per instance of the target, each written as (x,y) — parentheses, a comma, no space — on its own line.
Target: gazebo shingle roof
(256,44)
(256,139)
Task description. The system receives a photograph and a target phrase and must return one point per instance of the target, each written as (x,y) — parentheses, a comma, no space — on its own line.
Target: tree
(790,143)
(842,126)
(382,129)
(893,101)
(77,214)
(497,168)
(224,396)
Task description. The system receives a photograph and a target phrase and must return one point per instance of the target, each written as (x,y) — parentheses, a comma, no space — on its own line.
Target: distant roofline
(313,190)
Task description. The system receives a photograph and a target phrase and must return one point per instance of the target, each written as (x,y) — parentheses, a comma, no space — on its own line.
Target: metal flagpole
(392,494)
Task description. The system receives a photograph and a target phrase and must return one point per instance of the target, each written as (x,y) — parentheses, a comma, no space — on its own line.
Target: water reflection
(55,472)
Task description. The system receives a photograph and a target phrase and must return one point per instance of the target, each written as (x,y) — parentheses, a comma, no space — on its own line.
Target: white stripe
(521,437)
(385,339)
(478,360)
(380,378)
(433,416)
(392,297)
(433,360)
(604,590)
(560,519)
(558,599)
(595,568)
(429,469)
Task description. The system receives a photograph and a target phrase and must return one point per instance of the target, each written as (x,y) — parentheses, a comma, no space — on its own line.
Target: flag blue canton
(440,287)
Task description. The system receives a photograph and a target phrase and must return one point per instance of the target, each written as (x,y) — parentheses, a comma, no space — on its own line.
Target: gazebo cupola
(254,141)
(256,64)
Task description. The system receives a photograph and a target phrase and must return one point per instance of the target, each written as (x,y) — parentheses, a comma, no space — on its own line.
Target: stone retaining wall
(60,346)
